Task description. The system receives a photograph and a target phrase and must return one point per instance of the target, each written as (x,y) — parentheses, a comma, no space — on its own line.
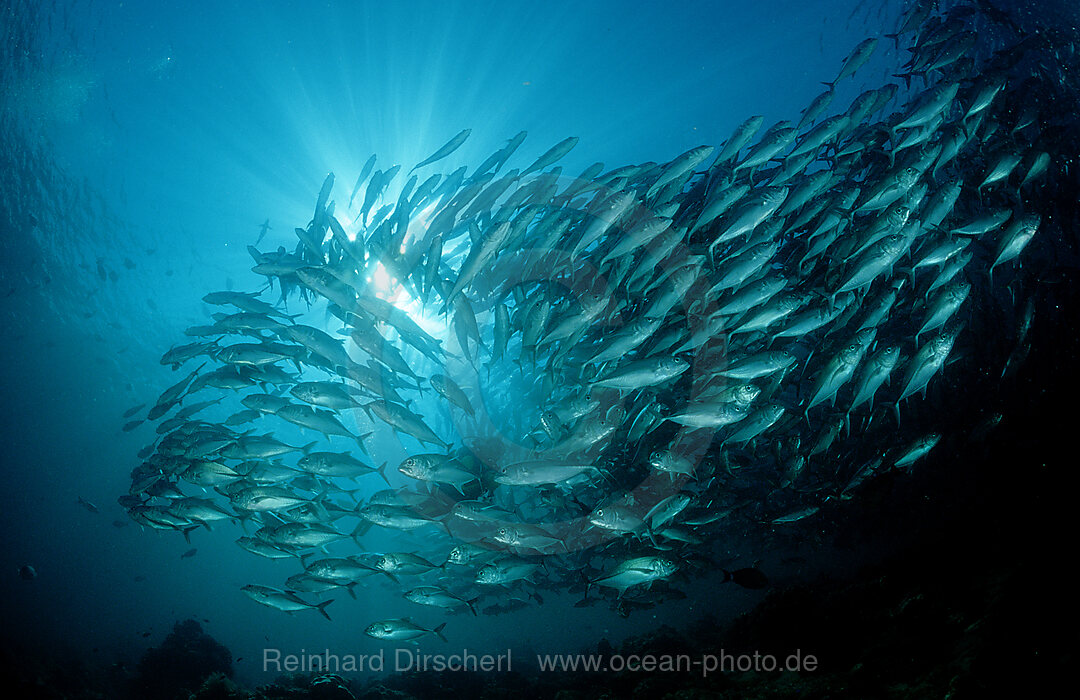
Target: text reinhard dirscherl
(404,660)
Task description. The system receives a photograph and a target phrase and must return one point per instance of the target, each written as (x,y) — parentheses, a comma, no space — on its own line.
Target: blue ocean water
(147,144)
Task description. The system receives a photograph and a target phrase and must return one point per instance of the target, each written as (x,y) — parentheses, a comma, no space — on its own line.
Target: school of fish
(600,382)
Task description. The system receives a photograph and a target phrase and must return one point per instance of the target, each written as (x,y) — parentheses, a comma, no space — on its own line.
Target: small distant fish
(87,505)
(796,516)
(552,155)
(262,231)
(133,410)
(917,450)
(283,600)
(855,60)
(188,554)
(447,148)
(401,629)
(27,572)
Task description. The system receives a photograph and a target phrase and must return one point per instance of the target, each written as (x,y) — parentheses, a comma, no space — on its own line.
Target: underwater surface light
(387,288)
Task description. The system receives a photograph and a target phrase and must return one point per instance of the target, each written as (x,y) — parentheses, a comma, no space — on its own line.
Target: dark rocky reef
(185,659)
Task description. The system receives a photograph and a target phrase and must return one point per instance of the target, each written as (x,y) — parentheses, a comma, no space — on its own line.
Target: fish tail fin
(322,608)
(829,85)
(351,588)
(187,532)
(364,436)
(438,630)
(308,447)
(359,531)
(472,604)
(727,575)
(382,473)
